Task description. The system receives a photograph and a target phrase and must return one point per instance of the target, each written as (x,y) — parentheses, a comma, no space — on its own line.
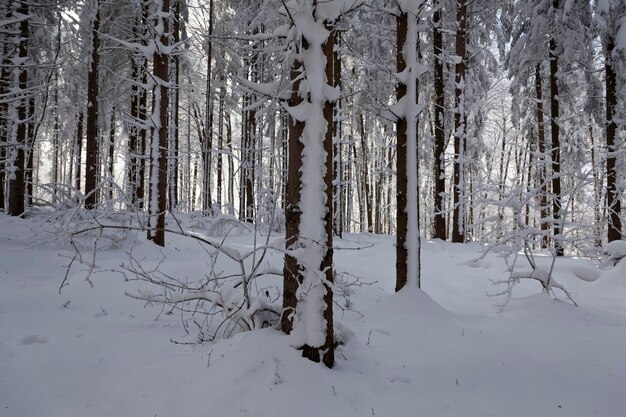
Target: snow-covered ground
(452,350)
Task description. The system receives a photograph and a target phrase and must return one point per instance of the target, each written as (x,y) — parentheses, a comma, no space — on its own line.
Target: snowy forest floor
(451,350)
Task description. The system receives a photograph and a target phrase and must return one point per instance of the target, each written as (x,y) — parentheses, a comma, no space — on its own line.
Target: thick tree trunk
(17,186)
(440,140)
(460,129)
(303,225)
(292,274)
(401,177)
(613,198)
(5,83)
(158,149)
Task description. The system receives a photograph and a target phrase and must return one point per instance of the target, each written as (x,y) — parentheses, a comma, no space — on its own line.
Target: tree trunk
(440,140)
(79,150)
(91,160)
(158,150)
(458,224)
(613,198)
(111,156)
(556,147)
(407,200)
(303,224)
(17,190)
(207,142)
(541,145)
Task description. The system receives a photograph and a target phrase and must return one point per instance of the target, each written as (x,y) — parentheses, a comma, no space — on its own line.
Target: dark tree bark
(158,154)
(17,186)
(5,82)
(174,163)
(613,198)
(207,141)
(556,146)
(91,159)
(541,166)
(458,223)
(291,272)
(440,140)
(111,158)
(364,174)
(133,134)
(337,163)
(401,157)
(79,149)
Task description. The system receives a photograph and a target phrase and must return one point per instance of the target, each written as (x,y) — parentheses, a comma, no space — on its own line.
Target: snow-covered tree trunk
(308,271)
(406,110)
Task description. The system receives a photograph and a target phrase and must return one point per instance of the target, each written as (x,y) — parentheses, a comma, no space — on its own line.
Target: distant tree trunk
(17,190)
(111,156)
(30,152)
(541,145)
(207,142)
(158,149)
(174,162)
(460,128)
(440,140)
(556,146)
(133,135)
(79,149)
(91,161)
(231,164)
(364,174)
(613,196)
(220,140)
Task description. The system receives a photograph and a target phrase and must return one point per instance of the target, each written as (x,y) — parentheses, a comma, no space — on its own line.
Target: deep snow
(451,350)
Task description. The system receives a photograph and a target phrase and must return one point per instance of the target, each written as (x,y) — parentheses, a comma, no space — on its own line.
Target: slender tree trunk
(174,163)
(111,158)
(364,174)
(612,194)
(556,147)
(231,165)
(440,140)
(207,142)
(541,144)
(337,166)
(79,150)
(91,166)
(407,200)
(220,140)
(133,134)
(458,224)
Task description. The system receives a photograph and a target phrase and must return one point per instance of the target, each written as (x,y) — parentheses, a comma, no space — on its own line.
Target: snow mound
(585,273)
